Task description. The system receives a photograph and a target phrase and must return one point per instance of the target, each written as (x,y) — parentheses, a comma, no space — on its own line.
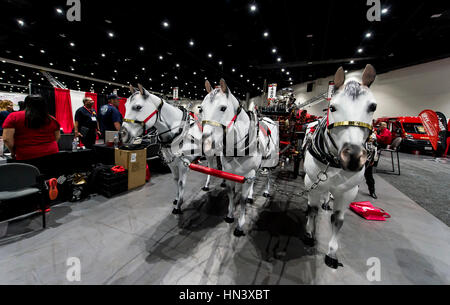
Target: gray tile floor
(134,239)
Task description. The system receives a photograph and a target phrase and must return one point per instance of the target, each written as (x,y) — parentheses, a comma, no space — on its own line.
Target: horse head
(218,110)
(141,114)
(350,118)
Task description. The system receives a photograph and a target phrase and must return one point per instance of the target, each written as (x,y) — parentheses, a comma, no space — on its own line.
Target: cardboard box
(135,161)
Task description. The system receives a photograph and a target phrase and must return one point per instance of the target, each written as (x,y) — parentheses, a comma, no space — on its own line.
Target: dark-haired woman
(32,134)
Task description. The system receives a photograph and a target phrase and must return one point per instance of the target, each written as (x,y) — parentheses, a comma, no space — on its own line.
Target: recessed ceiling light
(385,11)
(266,34)
(352,61)
(279,59)
(72,44)
(111,34)
(220,63)
(103,55)
(74,60)
(42,51)
(360,50)
(233,70)
(161,57)
(191,42)
(346,71)
(59,11)
(20,56)
(253,8)
(274,50)
(209,55)
(51,64)
(141,48)
(20,22)
(165,24)
(368,35)
(177,65)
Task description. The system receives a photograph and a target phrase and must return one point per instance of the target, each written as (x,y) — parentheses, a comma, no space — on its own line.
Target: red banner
(430,122)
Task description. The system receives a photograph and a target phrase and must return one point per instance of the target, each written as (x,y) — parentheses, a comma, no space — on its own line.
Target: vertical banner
(330,90)
(442,130)
(272,93)
(175,94)
(430,122)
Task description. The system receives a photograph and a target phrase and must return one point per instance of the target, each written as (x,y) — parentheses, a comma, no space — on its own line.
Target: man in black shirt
(86,124)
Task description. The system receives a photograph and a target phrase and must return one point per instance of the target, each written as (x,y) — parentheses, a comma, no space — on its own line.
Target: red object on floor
(147,174)
(366,210)
(52,189)
(216,173)
(118,169)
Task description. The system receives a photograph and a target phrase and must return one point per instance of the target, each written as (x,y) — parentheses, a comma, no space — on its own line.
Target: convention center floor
(134,239)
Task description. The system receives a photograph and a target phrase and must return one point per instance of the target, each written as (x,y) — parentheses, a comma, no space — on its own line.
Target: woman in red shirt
(33,133)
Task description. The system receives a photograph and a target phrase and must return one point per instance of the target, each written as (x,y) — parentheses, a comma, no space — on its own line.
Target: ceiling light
(59,11)
(352,61)
(165,24)
(220,63)
(266,34)
(42,51)
(103,55)
(177,65)
(20,22)
(161,57)
(274,50)
(191,42)
(74,60)
(279,59)
(51,64)
(141,48)
(368,35)
(20,56)
(233,70)
(436,15)
(360,50)
(72,44)
(384,11)
(111,34)
(253,8)
(209,55)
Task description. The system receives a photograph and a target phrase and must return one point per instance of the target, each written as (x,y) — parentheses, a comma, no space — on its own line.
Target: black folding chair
(392,149)
(19,180)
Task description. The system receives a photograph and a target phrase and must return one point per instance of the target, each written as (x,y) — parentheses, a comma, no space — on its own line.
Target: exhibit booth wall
(403,92)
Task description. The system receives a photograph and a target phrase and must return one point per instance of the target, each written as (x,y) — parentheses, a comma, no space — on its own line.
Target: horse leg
(230,190)
(311,213)
(182,170)
(175,176)
(269,181)
(337,220)
(208,177)
(239,231)
(250,193)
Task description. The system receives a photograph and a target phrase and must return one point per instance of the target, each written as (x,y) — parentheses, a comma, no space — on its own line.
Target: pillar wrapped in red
(217,173)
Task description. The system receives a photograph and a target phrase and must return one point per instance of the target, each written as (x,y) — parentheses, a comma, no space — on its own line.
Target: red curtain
(93,96)
(122,106)
(63,109)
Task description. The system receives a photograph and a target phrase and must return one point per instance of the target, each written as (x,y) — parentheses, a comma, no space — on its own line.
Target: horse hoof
(175,202)
(223,184)
(176,211)
(205,189)
(228,219)
(309,241)
(266,195)
(332,262)
(250,200)
(238,233)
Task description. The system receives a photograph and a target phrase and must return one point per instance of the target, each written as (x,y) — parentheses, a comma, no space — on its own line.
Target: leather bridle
(144,122)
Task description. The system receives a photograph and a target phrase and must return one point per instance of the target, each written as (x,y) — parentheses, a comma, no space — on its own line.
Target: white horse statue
(244,143)
(336,154)
(175,126)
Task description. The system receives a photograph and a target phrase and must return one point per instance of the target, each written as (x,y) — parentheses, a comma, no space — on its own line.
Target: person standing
(6,108)
(371,163)
(86,124)
(110,117)
(31,135)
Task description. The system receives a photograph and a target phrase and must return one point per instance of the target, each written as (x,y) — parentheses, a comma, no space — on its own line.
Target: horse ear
(369,75)
(339,78)
(223,86)
(141,89)
(208,86)
(132,90)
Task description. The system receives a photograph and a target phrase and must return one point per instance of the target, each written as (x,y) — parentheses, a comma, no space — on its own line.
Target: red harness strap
(196,120)
(150,116)
(232,121)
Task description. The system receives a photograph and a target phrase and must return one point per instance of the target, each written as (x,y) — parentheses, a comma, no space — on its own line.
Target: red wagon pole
(217,173)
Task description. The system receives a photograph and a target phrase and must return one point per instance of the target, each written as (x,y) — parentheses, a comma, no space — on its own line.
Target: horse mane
(354,89)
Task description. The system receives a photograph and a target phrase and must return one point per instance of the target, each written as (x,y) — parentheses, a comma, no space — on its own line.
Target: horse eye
(138,107)
(372,107)
(200,110)
(333,109)
(223,108)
